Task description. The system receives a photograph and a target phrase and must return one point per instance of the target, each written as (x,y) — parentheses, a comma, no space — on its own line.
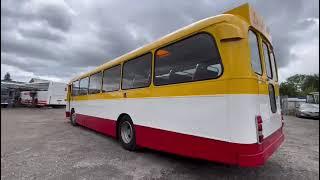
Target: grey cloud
(69,43)
(284,18)
(57,17)
(42,34)
(26,48)
(41,68)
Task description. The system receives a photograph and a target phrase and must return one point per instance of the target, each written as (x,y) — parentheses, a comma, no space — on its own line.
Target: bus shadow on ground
(308,118)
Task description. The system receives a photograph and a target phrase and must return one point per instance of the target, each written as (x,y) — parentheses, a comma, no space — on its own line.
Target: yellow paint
(252,17)
(230,31)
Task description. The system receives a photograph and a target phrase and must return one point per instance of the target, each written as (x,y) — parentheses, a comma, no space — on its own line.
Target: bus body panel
(211,119)
(161,131)
(68,100)
(222,117)
(271,121)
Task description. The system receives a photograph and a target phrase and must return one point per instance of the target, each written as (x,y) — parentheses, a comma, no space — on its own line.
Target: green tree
(300,85)
(310,84)
(297,80)
(288,89)
(7,77)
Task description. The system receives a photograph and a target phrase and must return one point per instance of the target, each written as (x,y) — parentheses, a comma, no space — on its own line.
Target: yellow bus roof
(178,34)
(245,12)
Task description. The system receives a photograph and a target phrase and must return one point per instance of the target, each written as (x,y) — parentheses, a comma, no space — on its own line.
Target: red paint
(250,155)
(257,154)
(67,114)
(186,145)
(29,102)
(104,126)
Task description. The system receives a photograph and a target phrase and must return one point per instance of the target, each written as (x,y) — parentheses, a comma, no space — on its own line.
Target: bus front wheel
(127,134)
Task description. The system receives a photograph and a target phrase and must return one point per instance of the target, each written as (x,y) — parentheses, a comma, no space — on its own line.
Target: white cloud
(305,53)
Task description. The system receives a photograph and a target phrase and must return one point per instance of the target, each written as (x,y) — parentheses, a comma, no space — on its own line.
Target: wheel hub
(126,132)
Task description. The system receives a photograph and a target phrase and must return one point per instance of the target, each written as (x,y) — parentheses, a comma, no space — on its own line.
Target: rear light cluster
(259,128)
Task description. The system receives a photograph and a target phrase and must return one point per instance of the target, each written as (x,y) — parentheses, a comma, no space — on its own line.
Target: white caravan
(45,94)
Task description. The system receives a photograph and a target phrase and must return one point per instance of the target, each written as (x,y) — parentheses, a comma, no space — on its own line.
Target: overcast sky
(57,40)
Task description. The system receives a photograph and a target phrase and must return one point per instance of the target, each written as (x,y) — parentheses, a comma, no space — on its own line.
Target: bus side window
(254,53)
(111,79)
(95,83)
(75,88)
(137,72)
(84,86)
(195,58)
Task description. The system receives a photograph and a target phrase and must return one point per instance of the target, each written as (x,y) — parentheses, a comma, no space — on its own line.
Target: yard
(41,144)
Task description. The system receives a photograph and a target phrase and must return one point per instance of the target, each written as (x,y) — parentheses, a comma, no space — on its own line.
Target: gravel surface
(41,144)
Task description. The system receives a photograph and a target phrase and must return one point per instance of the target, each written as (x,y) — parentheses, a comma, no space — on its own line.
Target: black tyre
(4,105)
(73,119)
(127,134)
(298,115)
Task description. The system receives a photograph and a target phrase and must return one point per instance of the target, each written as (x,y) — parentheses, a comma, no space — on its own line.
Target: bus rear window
(272,97)
(193,59)
(254,53)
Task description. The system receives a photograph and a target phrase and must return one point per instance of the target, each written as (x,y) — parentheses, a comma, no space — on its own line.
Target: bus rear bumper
(265,150)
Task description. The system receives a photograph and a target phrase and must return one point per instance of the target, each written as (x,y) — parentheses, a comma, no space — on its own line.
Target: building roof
(14,85)
(33,80)
(33,84)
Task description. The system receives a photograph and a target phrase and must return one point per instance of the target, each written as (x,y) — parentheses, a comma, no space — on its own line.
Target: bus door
(68,98)
(269,87)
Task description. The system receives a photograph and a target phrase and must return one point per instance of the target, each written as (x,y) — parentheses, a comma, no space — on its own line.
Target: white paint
(57,93)
(228,118)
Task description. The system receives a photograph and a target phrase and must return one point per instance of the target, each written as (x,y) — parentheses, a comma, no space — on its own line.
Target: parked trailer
(48,94)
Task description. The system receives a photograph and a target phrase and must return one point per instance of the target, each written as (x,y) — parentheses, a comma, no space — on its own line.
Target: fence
(290,105)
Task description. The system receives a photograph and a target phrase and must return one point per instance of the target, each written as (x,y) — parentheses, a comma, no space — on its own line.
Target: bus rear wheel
(127,134)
